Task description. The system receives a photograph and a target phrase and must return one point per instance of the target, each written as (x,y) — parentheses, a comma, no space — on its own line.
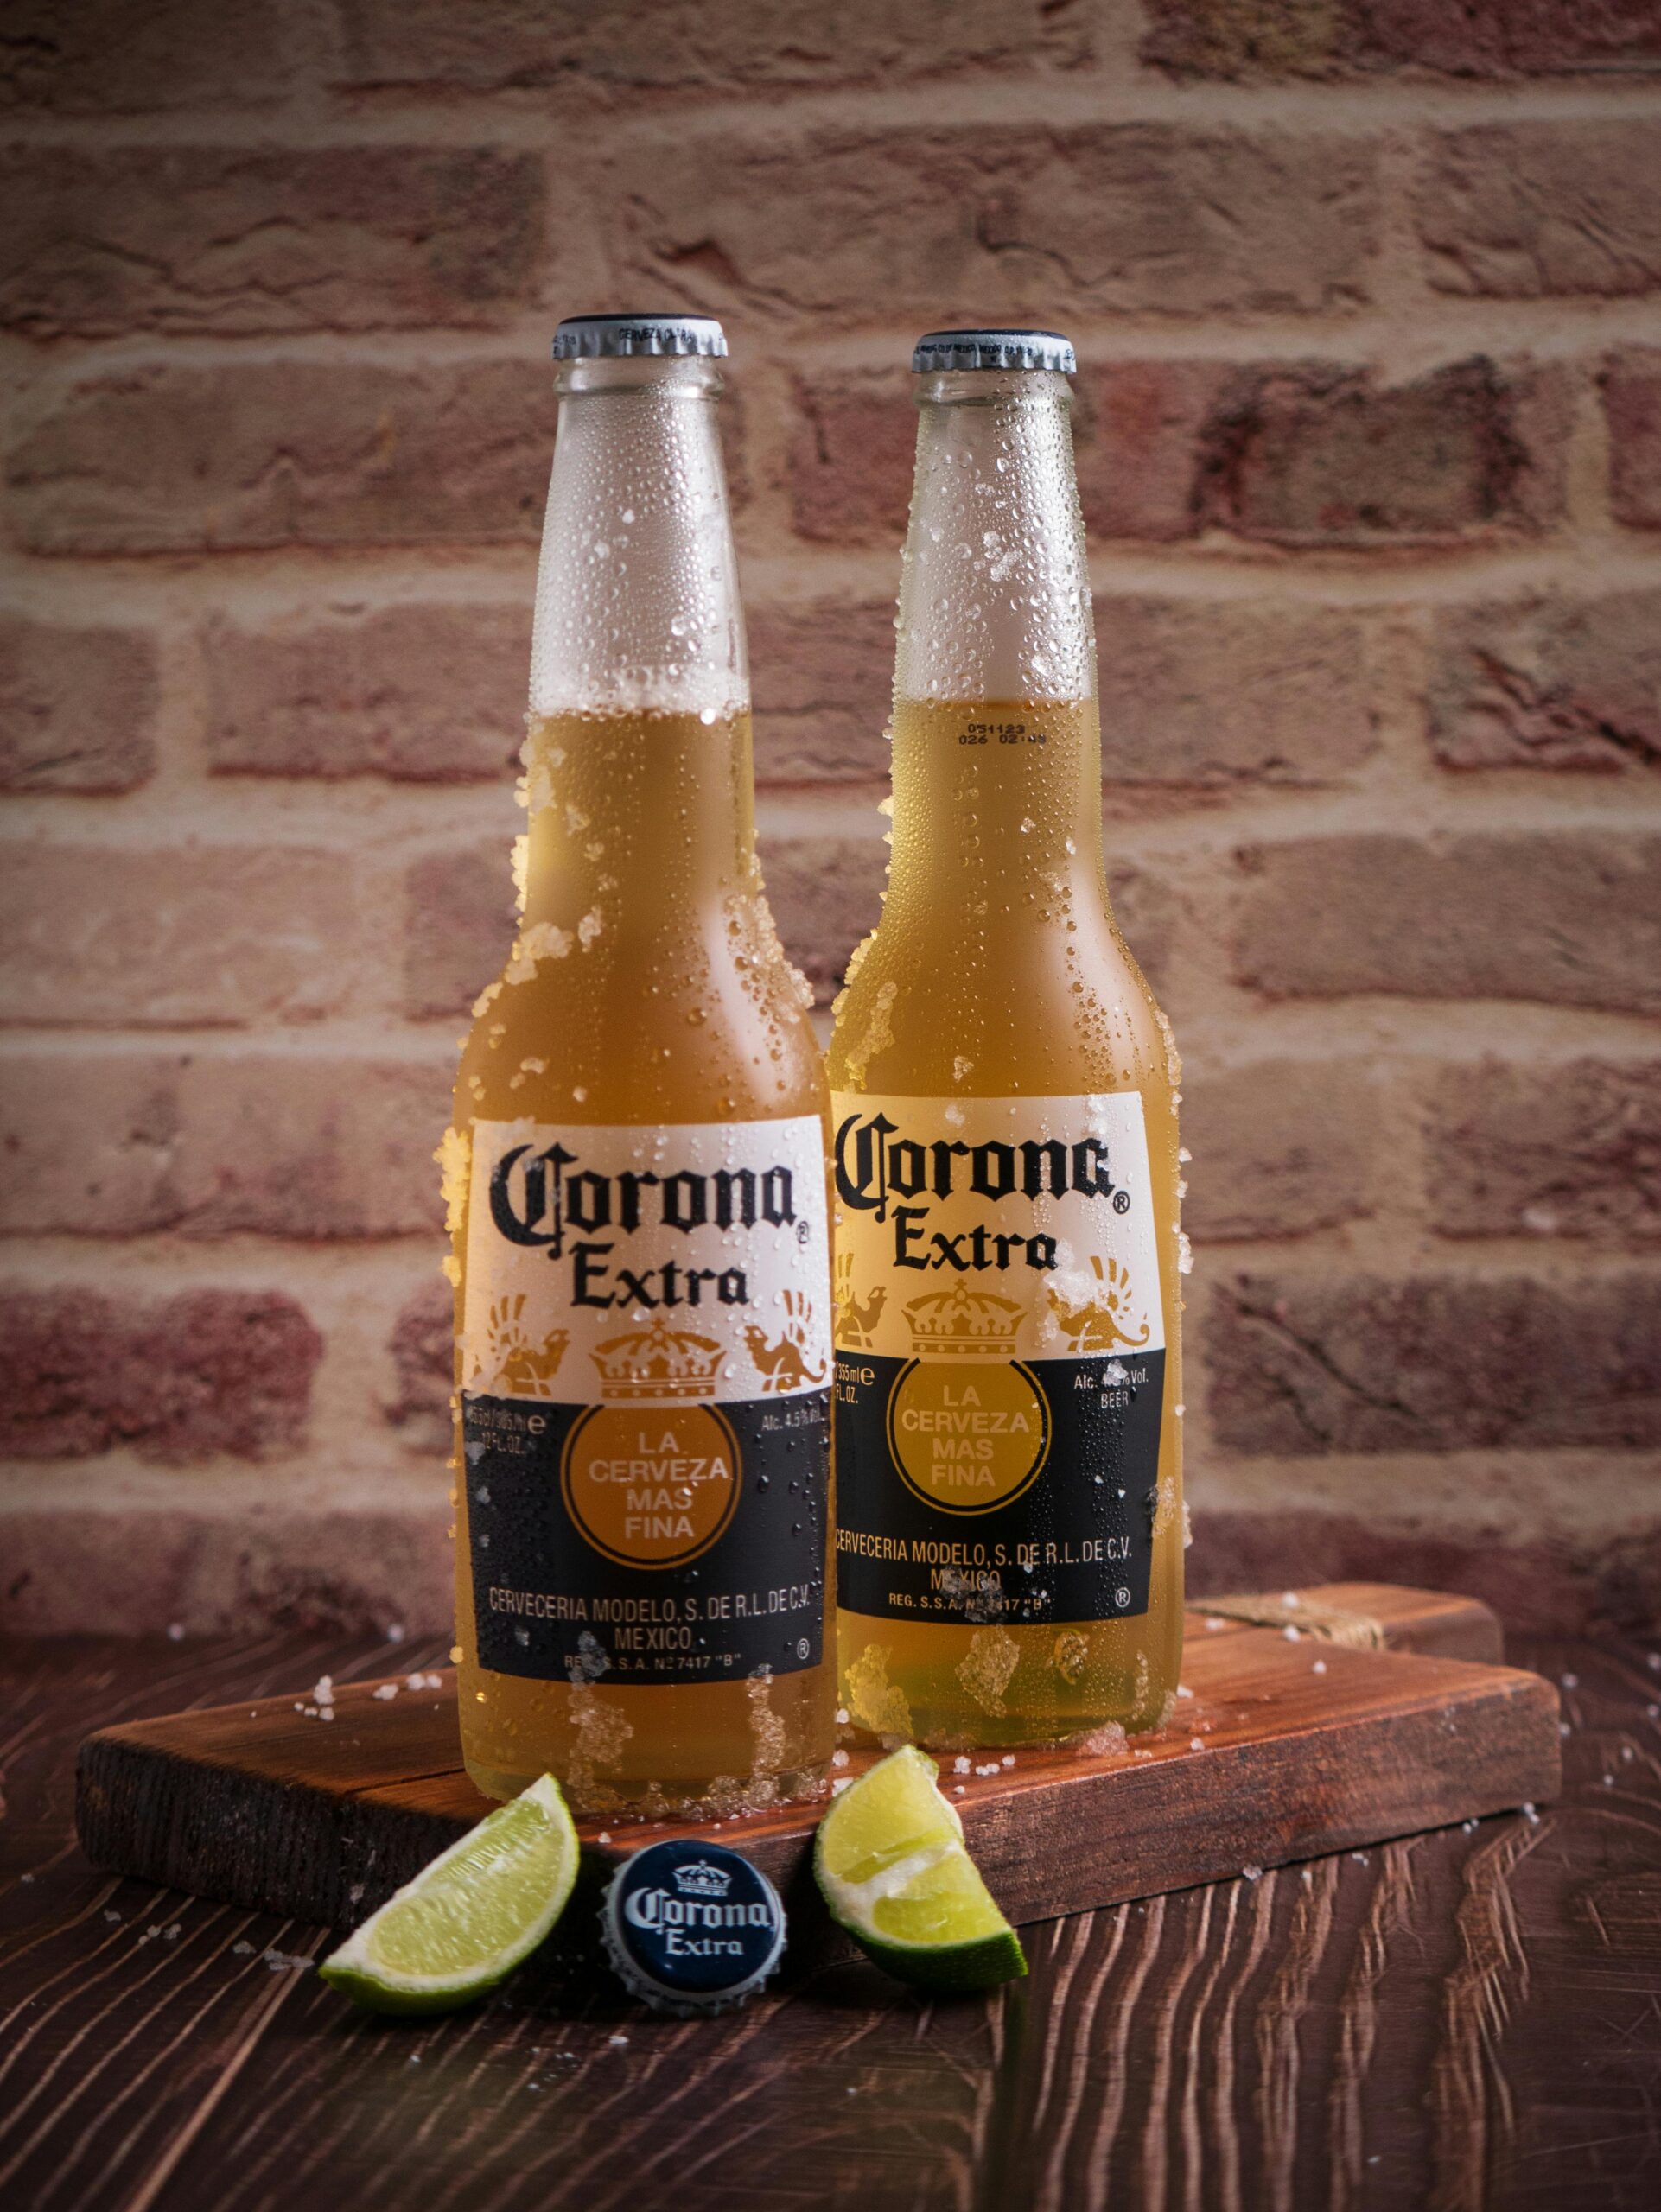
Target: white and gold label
(1000,1344)
(670,1264)
(995,1228)
(645,1377)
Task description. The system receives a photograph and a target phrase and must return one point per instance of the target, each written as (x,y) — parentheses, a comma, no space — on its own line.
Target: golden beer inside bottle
(646,986)
(999,972)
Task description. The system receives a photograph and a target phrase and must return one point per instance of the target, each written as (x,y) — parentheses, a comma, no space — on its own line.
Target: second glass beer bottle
(636,1171)
(1004,1095)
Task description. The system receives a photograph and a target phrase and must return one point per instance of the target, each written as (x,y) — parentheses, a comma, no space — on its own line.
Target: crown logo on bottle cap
(658,1362)
(964,1321)
(700,1879)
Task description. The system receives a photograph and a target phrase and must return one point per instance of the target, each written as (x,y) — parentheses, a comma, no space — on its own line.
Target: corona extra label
(1000,1340)
(645,1363)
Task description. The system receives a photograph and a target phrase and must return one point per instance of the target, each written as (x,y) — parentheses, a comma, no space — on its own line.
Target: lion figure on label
(521,1366)
(1104,1325)
(856,1322)
(783,1366)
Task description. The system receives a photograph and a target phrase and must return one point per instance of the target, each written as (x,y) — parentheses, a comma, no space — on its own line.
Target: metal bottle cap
(595,337)
(692,1927)
(995,349)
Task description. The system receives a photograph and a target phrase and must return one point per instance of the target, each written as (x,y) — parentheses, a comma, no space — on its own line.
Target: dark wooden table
(1460,2020)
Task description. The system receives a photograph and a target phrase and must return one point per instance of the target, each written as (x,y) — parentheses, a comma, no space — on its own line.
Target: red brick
(852,447)
(422,694)
(172,458)
(1632,405)
(423,1358)
(1544,210)
(125,56)
(1150,914)
(186,238)
(459,927)
(201,933)
(964,223)
(1569,918)
(186,1378)
(90,1142)
(315,1147)
(824,679)
(217,1566)
(1548,682)
(1491,38)
(661,45)
(826,893)
(1217,693)
(1555,1151)
(1301,1365)
(1280,1147)
(1315,454)
(1138,431)
(77,707)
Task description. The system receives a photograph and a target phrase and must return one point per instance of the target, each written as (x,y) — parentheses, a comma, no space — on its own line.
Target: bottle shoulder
(1061,1013)
(562,1044)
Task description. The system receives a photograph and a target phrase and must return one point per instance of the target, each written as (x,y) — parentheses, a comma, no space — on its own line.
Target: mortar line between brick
(521,120)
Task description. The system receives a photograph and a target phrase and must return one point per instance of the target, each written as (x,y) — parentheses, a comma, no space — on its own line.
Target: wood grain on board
(1286,1745)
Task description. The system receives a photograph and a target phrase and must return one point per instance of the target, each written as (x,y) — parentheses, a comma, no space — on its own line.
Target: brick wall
(1368,299)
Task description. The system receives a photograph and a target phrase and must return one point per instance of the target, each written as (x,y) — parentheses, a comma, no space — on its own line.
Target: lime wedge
(891,1863)
(470,1917)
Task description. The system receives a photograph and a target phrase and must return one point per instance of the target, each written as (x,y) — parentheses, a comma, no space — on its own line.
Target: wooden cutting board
(1383,1714)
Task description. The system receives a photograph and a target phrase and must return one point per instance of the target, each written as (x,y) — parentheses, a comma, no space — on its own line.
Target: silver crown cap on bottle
(597,337)
(995,349)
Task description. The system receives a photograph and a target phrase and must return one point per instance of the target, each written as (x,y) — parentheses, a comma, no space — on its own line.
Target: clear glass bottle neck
(637,606)
(995,592)
(996,752)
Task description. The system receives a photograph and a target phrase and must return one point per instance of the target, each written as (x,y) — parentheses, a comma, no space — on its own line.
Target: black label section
(549,1604)
(1075,1543)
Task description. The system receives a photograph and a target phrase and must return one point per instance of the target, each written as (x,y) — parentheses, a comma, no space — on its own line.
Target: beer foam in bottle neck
(637,607)
(995,592)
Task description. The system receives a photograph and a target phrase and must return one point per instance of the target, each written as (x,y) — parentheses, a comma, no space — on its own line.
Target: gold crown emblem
(658,1363)
(962,1320)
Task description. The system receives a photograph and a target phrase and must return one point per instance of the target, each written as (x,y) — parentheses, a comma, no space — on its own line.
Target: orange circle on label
(967,1438)
(650,1485)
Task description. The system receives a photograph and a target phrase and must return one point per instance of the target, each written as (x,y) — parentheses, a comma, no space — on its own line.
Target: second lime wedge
(470,1917)
(893,1867)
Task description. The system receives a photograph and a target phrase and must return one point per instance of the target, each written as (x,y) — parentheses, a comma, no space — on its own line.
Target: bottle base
(717,1797)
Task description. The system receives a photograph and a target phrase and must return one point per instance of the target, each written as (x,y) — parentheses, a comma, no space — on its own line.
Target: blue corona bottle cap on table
(692,1927)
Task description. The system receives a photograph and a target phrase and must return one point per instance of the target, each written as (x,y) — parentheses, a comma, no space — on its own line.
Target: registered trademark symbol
(1122,1598)
(801,1647)
(1121,1201)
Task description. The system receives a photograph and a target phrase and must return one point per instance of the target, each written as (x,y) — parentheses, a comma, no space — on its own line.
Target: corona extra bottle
(1004,1095)
(636,1170)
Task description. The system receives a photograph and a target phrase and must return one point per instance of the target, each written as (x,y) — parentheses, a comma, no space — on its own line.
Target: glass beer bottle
(1004,1095)
(636,1171)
